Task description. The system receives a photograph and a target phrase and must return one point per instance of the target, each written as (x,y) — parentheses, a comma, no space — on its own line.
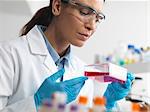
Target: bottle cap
(47,103)
(99,101)
(137,51)
(83,100)
(135,106)
(74,108)
(130,46)
(61,106)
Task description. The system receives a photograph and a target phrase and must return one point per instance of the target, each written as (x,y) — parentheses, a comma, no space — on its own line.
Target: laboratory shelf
(140,87)
(140,67)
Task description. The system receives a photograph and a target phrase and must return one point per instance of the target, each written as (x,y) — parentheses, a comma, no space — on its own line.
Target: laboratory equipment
(74,108)
(57,103)
(82,102)
(61,107)
(46,107)
(117,91)
(106,72)
(135,107)
(99,104)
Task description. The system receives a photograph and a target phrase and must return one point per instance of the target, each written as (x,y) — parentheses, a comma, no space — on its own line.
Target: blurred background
(127,22)
(123,38)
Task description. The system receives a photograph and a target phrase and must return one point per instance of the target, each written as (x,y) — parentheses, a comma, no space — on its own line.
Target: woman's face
(76,23)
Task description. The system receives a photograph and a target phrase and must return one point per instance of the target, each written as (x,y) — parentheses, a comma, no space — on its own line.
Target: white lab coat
(24,64)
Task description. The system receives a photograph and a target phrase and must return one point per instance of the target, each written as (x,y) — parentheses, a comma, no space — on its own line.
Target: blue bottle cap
(130,46)
(137,51)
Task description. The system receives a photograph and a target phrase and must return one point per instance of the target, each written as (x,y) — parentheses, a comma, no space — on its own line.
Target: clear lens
(85,11)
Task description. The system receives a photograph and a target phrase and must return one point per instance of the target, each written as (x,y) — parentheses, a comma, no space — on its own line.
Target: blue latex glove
(116,91)
(50,86)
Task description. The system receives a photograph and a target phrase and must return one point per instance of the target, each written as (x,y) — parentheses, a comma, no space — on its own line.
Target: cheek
(72,26)
(73,22)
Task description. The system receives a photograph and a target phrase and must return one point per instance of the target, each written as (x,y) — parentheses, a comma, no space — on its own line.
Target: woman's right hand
(50,86)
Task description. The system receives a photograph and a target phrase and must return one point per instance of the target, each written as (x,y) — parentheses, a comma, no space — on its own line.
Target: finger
(57,75)
(78,86)
(74,88)
(75,81)
(127,84)
(130,76)
(117,86)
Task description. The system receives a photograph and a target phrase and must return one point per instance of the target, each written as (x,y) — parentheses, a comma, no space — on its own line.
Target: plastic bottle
(97,59)
(119,54)
(74,108)
(61,107)
(83,100)
(59,101)
(135,107)
(99,104)
(59,97)
(137,55)
(46,107)
(145,54)
(129,54)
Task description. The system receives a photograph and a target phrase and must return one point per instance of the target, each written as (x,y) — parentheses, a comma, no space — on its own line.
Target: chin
(79,44)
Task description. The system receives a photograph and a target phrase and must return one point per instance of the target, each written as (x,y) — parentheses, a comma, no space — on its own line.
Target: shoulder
(15,50)
(15,44)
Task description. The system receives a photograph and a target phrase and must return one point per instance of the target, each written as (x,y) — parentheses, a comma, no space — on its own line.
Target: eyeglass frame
(99,15)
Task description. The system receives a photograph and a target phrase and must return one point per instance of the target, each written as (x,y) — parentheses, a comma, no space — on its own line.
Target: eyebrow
(84,5)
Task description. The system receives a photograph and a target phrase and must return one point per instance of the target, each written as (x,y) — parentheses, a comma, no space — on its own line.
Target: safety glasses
(85,11)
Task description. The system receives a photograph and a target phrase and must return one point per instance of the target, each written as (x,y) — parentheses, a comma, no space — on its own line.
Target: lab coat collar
(38,47)
(36,42)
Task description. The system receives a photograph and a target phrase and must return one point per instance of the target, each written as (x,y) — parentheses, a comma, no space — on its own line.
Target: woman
(40,63)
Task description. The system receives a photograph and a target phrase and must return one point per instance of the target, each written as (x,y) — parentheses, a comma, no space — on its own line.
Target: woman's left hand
(116,91)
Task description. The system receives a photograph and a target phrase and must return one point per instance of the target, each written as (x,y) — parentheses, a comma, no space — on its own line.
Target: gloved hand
(116,91)
(50,86)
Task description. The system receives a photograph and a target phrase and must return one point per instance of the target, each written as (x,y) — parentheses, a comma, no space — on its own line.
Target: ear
(56,7)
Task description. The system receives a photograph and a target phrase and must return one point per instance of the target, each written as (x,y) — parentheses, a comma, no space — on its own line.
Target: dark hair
(42,17)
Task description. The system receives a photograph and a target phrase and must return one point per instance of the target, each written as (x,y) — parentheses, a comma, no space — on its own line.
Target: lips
(83,36)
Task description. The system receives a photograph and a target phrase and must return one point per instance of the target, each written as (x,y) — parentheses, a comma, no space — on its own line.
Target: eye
(99,18)
(84,11)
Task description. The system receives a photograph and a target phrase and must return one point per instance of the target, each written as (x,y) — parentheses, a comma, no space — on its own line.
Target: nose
(91,25)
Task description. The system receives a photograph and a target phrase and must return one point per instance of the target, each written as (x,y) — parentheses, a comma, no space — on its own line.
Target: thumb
(57,75)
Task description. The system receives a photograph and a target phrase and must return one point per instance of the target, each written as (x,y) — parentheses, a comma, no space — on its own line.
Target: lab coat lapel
(38,47)
(49,63)
(72,68)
